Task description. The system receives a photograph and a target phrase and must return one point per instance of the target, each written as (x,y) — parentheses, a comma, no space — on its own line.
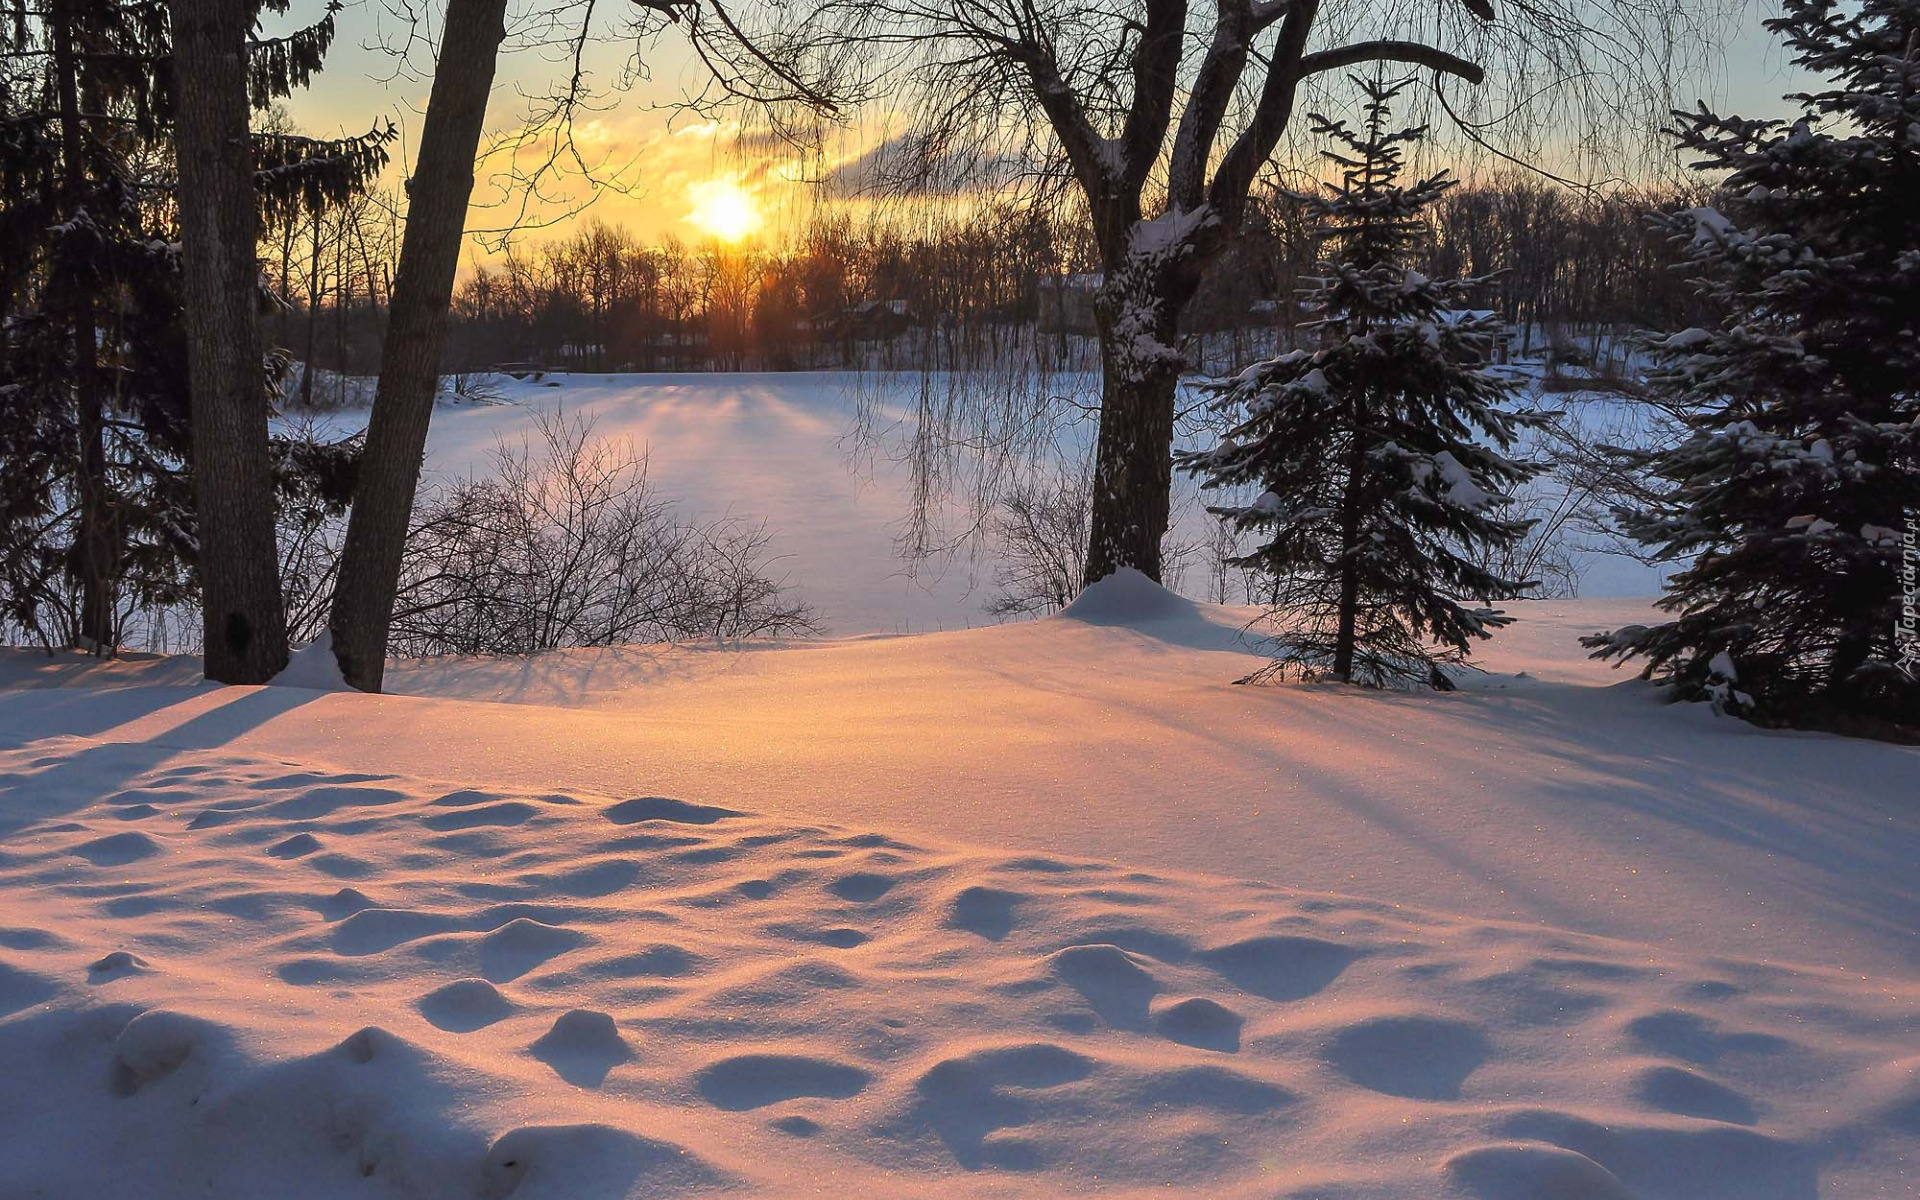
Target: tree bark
(313,312)
(245,623)
(1137,314)
(1133,474)
(1346,632)
(422,290)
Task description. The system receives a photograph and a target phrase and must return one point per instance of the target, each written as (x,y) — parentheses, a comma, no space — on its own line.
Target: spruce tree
(1799,475)
(1379,456)
(96,506)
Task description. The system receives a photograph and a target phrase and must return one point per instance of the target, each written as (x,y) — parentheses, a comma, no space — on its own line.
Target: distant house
(879,319)
(1502,333)
(1066,302)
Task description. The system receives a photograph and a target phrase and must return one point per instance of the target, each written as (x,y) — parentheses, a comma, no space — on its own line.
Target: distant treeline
(1567,271)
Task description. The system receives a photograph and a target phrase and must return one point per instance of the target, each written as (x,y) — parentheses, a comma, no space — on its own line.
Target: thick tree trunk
(1138,317)
(1133,472)
(245,623)
(95,554)
(422,290)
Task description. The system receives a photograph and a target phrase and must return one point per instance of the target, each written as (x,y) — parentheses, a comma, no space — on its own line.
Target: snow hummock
(1128,597)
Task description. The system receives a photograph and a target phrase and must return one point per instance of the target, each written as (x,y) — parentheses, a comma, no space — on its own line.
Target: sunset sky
(674,173)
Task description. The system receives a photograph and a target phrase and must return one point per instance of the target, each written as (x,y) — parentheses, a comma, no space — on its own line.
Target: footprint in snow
(1419,1057)
(521,945)
(118,850)
(507,813)
(985,911)
(294,847)
(1690,1094)
(1199,1022)
(1112,982)
(661,808)
(861,887)
(116,965)
(1280,967)
(590,1162)
(749,1081)
(1692,1038)
(1524,1171)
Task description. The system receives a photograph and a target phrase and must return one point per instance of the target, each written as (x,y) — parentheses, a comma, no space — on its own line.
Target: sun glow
(724,210)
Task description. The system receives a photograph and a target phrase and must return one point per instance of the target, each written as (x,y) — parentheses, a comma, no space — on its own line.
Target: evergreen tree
(1789,497)
(1379,455)
(96,508)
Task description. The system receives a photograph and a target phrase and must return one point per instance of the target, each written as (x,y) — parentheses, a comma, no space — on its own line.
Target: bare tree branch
(1414,53)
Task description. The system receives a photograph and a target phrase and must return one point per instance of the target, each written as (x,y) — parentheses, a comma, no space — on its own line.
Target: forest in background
(1570,272)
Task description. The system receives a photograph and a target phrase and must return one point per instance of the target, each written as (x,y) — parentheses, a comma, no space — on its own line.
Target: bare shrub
(1038,536)
(1040,531)
(473,387)
(567,545)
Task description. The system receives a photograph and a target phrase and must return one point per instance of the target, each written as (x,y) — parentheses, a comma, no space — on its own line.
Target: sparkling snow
(1041,910)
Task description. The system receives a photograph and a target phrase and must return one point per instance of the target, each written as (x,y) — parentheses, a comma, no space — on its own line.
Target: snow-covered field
(1042,910)
(1038,910)
(780,448)
(762,447)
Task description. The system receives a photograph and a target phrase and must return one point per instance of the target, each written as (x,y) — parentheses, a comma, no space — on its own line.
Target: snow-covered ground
(781,448)
(1042,910)
(777,448)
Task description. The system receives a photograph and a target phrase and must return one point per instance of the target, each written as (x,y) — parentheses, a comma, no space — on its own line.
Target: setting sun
(722,209)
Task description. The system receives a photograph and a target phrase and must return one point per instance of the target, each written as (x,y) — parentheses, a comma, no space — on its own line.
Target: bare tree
(438,195)
(245,632)
(1161,117)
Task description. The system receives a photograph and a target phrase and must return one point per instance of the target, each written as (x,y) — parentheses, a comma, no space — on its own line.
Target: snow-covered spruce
(1379,454)
(1787,498)
(98,528)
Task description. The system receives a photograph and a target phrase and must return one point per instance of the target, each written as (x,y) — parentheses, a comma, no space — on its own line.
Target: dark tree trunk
(245,624)
(1133,476)
(422,290)
(95,555)
(1138,317)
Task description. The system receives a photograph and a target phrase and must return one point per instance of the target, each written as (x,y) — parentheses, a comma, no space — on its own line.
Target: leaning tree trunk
(437,196)
(245,624)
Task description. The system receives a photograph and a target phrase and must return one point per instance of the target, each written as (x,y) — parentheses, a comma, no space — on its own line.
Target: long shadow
(565,678)
(77,781)
(1843,811)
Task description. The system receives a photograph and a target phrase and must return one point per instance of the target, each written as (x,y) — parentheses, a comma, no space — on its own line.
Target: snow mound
(575,1005)
(314,667)
(1128,597)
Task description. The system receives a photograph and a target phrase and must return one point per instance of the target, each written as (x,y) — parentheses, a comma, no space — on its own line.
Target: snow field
(780,447)
(226,975)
